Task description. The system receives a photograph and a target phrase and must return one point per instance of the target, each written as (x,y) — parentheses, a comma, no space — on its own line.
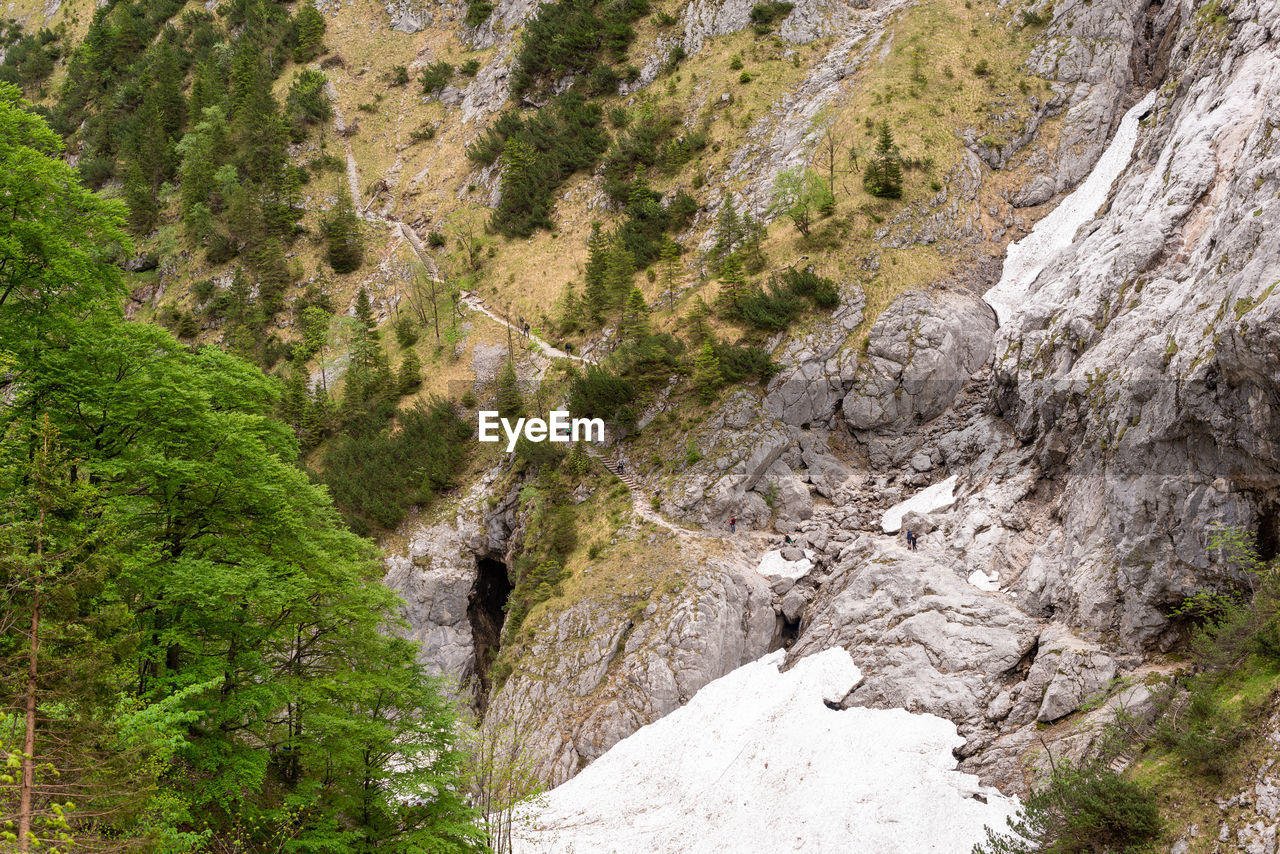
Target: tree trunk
(29,741)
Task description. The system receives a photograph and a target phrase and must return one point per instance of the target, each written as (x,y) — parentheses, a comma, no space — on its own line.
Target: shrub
(1207,734)
(308,30)
(770,310)
(982,68)
(539,152)
(435,76)
(469,68)
(478,11)
(763,15)
(406,332)
(435,240)
(598,393)
(400,76)
(375,478)
(741,363)
(1080,811)
(307,103)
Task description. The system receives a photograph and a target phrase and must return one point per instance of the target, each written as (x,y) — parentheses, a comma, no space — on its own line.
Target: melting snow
(774,565)
(1026,258)
(756,761)
(982,581)
(936,497)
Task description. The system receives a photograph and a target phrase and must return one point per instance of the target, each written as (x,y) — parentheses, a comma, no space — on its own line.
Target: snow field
(757,761)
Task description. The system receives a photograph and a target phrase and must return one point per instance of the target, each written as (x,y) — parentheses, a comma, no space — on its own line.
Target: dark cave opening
(785,633)
(1269,532)
(486,611)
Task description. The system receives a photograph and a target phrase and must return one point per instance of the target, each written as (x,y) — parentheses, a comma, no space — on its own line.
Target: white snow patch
(1026,258)
(928,500)
(757,762)
(982,581)
(774,565)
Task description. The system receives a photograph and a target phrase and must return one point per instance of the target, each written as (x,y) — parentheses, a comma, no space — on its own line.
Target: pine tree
(597,294)
(308,28)
(883,175)
(345,250)
(635,317)
(509,401)
(364,310)
(409,378)
(696,322)
(733,281)
(620,276)
(707,376)
(729,232)
(669,264)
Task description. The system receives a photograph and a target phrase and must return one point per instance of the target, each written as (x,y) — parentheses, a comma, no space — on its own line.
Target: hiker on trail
(568,347)
(621,464)
(733,524)
(912,539)
(786,540)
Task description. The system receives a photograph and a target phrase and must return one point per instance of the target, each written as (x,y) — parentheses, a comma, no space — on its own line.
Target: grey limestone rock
(922,350)
(596,674)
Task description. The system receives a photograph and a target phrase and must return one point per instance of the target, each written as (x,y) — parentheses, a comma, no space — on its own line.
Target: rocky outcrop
(604,666)
(436,576)
(816,371)
(1143,364)
(922,350)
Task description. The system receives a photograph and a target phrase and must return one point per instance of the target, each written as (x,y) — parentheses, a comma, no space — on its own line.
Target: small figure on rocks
(621,465)
(912,539)
(733,524)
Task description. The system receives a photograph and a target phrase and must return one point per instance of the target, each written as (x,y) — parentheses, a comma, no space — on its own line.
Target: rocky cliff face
(1129,402)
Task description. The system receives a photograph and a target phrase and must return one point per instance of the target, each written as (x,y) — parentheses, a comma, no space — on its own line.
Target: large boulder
(922,350)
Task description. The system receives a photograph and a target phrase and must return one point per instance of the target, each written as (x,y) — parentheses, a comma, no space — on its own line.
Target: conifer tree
(619,276)
(341,228)
(729,232)
(409,378)
(308,28)
(635,317)
(733,281)
(364,310)
(509,401)
(707,375)
(669,264)
(597,294)
(883,175)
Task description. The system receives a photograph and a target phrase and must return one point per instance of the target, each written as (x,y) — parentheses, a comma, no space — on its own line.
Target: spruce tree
(733,281)
(341,228)
(409,378)
(308,28)
(364,310)
(635,317)
(508,400)
(597,294)
(883,175)
(707,376)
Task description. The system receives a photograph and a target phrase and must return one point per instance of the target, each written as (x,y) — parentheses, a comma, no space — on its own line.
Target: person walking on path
(912,539)
(733,524)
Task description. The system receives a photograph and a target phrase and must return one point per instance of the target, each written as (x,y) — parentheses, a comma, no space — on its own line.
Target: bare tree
(501,779)
(827,159)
